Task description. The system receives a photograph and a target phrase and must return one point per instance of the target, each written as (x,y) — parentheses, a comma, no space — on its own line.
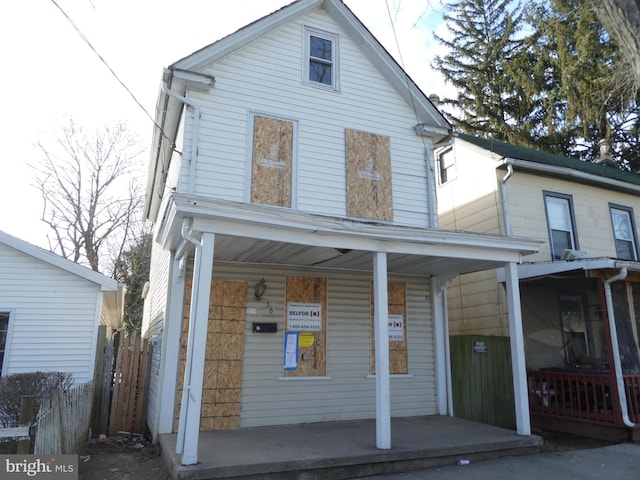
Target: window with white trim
(446,166)
(561,223)
(320,58)
(624,232)
(4,330)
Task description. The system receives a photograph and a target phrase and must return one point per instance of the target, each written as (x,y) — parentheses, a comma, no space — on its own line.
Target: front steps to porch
(342,450)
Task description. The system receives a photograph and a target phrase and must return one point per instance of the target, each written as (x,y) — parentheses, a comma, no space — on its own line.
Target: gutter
(617,365)
(565,172)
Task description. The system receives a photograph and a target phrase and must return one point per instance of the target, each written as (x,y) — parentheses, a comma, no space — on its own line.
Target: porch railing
(590,397)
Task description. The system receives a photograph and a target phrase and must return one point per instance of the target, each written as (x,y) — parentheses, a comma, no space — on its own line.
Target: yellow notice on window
(306,339)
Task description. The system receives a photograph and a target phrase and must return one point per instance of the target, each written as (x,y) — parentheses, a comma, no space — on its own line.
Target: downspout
(503,199)
(617,365)
(186,387)
(432,211)
(194,137)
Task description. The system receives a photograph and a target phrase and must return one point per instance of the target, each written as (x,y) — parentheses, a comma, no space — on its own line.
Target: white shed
(50,310)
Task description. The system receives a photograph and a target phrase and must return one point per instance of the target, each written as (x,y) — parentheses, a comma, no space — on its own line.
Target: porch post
(516,336)
(381,333)
(441,340)
(170,350)
(196,349)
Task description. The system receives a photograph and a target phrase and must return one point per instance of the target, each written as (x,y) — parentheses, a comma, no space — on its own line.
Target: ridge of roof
(106,283)
(538,156)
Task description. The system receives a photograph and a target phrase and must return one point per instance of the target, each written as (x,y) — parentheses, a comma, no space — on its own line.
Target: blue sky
(49,71)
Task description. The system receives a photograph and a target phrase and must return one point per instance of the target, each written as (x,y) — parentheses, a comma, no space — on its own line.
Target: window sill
(393,375)
(298,379)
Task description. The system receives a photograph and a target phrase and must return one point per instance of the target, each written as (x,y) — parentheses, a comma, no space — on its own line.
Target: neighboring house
(50,311)
(580,294)
(298,269)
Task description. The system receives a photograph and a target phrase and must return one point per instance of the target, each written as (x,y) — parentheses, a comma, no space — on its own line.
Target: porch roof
(541,269)
(251,233)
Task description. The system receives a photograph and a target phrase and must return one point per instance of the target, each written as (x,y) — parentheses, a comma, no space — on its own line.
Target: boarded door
(306,327)
(222,386)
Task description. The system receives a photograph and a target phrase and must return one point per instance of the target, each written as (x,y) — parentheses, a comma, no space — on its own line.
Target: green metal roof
(531,155)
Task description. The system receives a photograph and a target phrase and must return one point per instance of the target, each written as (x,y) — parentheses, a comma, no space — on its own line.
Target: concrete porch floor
(342,450)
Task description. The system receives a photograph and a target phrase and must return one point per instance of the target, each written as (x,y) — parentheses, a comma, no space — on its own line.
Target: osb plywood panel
(398,364)
(272,158)
(309,290)
(224,355)
(368,163)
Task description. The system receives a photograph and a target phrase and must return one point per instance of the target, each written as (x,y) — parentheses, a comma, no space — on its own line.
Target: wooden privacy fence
(481,379)
(63,421)
(130,380)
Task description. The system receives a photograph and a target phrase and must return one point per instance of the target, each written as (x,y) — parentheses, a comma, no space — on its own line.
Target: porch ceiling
(260,234)
(248,250)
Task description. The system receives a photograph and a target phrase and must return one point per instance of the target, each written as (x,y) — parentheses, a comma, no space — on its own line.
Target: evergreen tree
(547,78)
(484,40)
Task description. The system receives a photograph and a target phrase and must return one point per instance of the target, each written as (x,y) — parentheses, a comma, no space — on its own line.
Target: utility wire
(86,40)
(406,76)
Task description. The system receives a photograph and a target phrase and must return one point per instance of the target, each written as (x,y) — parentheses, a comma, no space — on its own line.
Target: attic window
(321,58)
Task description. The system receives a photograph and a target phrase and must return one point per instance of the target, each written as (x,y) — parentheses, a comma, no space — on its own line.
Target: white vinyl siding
(54,317)
(349,391)
(156,300)
(253,80)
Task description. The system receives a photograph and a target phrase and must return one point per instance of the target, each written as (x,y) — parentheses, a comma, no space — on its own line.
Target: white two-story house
(298,266)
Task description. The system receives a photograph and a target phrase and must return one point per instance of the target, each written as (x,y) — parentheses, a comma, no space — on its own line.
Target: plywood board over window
(306,319)
(272,158)
(368,162)
(398,363)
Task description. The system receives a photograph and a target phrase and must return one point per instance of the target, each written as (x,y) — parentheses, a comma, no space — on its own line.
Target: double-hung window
(321,58)
(446,166)
(624,232)
(561,223)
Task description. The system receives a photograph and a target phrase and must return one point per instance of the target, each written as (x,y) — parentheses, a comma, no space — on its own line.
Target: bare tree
(91,193)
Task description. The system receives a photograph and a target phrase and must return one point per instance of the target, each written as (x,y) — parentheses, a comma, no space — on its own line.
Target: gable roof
(106,284)
(184,73)
(594,170)
(344,17)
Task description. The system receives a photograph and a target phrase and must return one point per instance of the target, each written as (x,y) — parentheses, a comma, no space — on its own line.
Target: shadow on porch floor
(342,450)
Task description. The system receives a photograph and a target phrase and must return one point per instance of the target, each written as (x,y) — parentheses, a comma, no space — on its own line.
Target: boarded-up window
(369,192)
(272,158)
(397,329)
(305,344)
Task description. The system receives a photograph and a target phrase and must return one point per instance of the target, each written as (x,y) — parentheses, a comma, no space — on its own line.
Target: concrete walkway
(342,450)
(616,462)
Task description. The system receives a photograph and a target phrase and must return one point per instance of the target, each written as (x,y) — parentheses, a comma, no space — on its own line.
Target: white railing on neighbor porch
(63,421)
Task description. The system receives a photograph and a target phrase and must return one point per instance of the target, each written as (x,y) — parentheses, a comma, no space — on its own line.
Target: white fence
(63,421)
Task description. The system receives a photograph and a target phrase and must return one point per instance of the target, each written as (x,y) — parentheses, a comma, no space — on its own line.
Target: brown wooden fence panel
(482,380)
(130,379)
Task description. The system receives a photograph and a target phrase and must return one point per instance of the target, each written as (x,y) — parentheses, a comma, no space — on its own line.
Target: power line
(86,40)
